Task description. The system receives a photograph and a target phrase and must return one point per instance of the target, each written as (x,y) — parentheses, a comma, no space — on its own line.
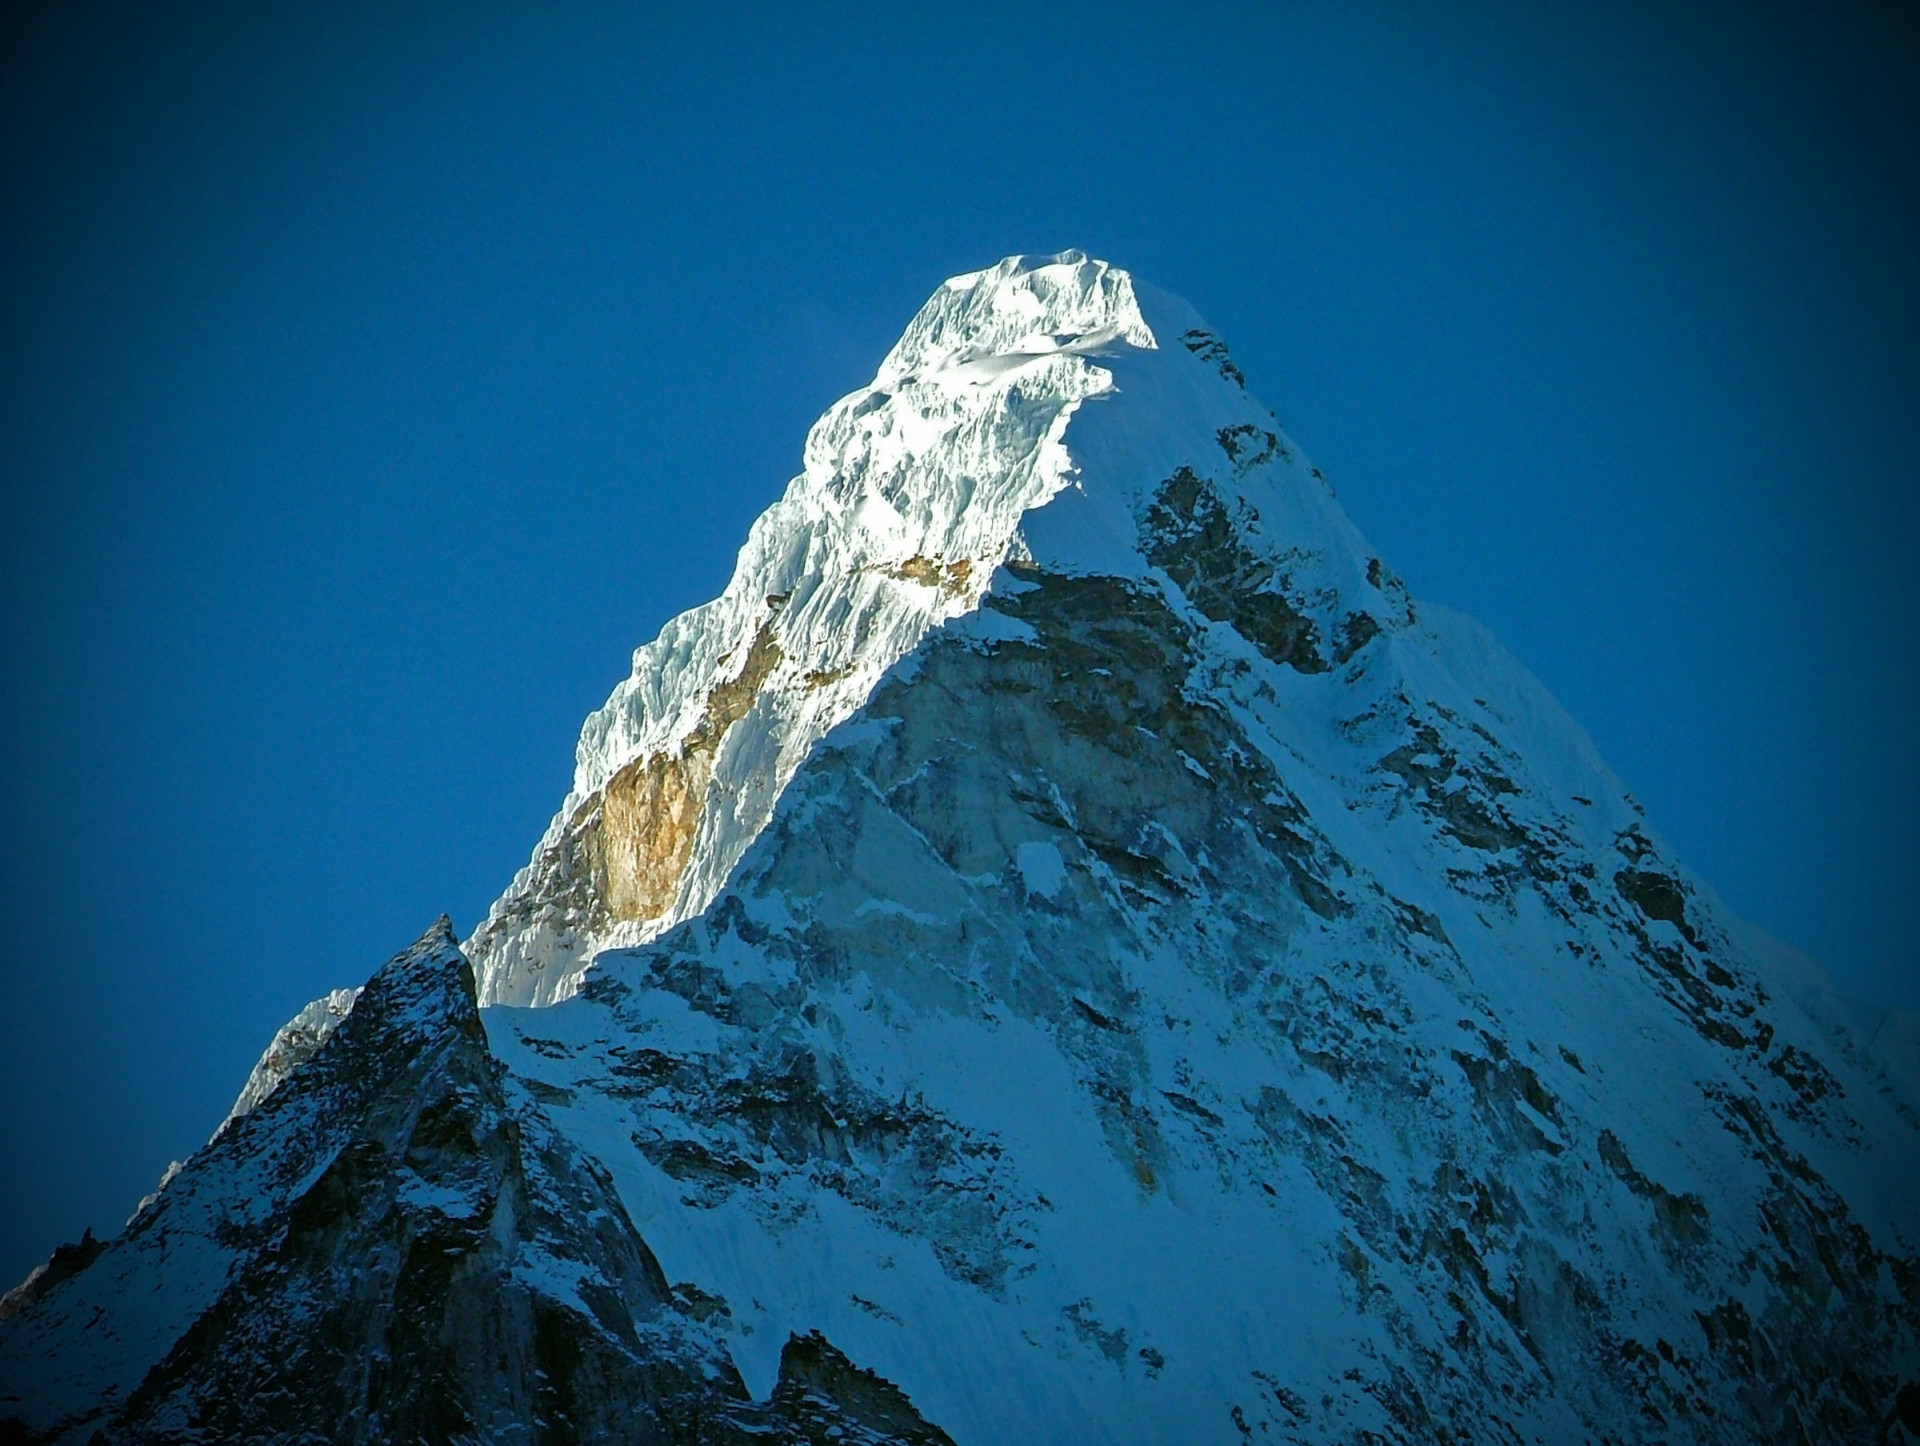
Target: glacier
(1067,948)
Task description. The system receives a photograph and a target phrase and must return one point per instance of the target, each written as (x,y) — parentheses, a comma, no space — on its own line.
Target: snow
(1110,1017)
(956,441)
(1181,1130)
(1041,867)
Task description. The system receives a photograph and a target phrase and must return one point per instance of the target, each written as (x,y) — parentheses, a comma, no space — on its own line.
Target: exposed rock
(635,838)
(433,1262)
(67,1261)
(823,1399)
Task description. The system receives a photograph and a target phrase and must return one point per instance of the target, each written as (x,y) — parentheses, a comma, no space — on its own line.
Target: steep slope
(1198,992)
(910,494)
(1067,930)
(391,1247)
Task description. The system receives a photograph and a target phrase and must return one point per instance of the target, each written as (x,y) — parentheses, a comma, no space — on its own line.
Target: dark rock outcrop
(412,1255)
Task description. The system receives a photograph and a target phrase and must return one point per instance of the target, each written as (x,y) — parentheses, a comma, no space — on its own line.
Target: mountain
(390,1246)
(1064,948)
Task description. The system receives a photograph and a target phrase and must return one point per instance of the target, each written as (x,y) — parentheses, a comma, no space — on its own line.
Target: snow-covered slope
(1183,987)
(1068,927)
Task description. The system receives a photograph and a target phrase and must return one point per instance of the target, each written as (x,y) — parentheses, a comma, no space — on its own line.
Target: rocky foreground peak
(393,1246)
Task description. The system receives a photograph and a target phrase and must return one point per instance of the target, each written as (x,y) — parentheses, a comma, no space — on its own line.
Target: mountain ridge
(424,1260)
(1067,928)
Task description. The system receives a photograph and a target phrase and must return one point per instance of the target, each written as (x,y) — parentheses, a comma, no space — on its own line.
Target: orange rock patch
(950,578)
(634,837)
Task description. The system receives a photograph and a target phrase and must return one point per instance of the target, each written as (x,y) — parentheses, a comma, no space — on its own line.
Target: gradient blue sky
(371,384)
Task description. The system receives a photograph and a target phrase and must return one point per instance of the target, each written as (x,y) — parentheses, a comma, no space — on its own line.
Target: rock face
(392,1247)
(1067,931)
(294,1043)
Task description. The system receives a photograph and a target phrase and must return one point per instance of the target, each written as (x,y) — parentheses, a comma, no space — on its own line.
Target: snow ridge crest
(1025,306)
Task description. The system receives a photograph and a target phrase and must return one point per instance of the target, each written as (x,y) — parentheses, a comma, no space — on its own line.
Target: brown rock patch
(950,578)
(635,836)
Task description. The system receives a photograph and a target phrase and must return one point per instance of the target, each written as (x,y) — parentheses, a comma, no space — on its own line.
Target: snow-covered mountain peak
(1024,307)
(914,491)
(1065,930)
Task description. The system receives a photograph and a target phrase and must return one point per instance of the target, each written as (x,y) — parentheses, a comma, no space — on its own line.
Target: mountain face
(395,1245)
(1065,948)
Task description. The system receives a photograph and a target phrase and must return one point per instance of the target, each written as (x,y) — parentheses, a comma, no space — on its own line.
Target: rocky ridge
(393,1245)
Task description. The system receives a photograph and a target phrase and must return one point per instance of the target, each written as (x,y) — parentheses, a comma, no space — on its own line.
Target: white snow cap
(1027,306)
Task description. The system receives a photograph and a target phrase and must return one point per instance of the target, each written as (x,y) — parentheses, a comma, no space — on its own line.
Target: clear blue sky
(372,384)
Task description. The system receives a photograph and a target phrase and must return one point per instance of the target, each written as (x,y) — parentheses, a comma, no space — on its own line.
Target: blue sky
(371,384)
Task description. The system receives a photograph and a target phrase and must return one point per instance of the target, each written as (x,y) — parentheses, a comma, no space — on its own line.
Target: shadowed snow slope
(1066,927)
